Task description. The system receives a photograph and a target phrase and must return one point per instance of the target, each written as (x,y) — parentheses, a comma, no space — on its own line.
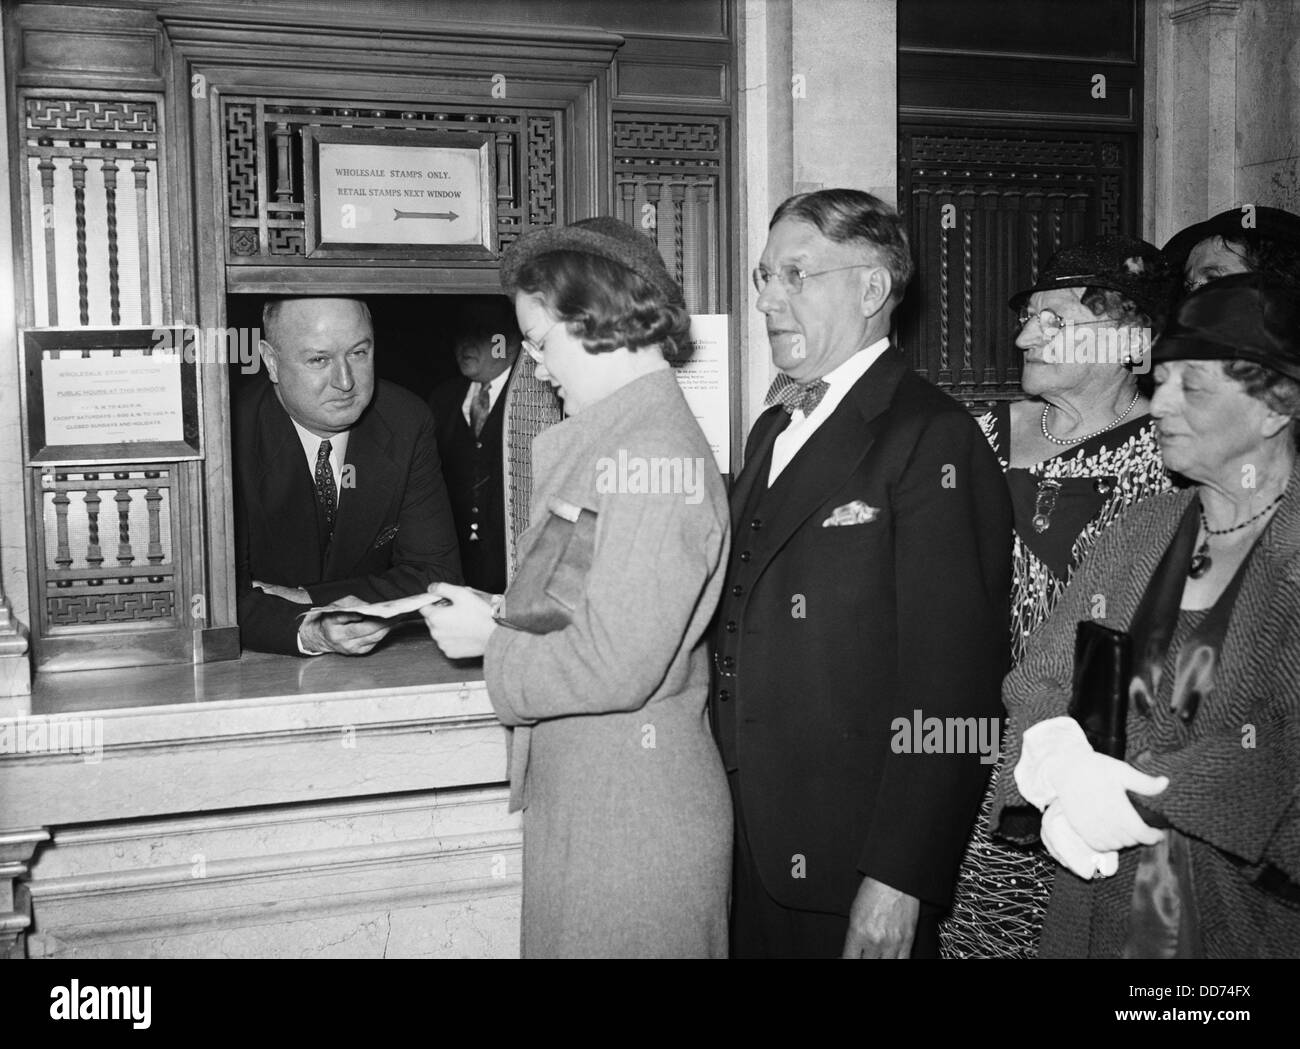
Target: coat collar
(284,490)
(1274,562)
(826,461)
(624,410)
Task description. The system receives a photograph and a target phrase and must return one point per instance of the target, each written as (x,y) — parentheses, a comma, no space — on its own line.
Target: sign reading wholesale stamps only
(376,193)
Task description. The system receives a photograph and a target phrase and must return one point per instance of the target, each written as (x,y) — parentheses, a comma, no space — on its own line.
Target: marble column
(1268,105)
(1191,112)
(818,109)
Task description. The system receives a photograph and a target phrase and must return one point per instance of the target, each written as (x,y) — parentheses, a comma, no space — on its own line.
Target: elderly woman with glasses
(596,656)
(1187,842)
(1077,452)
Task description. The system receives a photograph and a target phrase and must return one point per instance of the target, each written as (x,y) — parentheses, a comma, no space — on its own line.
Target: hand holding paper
(352,627)
(461,622)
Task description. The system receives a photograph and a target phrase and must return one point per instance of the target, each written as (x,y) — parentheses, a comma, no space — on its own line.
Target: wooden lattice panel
(669,175)
(105,549)
(531,406)
(985,213)
(90,183)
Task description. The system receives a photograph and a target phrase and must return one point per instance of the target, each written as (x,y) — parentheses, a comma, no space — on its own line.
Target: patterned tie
(791,395)
(480,408)
(326,494)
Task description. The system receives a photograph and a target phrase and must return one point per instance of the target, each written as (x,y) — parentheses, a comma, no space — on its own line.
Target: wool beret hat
(605,237)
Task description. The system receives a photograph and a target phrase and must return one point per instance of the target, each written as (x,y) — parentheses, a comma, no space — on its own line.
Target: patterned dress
(1002,890)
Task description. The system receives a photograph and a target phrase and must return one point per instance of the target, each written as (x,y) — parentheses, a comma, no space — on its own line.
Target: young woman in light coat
(597,655)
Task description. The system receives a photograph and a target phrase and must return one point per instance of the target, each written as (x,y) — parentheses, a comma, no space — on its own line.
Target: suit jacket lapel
(832,453)
(288,499)
(761,438)
(362,508)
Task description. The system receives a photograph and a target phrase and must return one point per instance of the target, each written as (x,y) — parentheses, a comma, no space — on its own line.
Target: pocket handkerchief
(856,512)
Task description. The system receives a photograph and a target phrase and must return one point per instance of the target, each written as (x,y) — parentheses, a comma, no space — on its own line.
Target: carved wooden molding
(299,33)
(71,47)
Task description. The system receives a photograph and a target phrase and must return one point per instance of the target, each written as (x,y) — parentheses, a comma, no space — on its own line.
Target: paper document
(397,607)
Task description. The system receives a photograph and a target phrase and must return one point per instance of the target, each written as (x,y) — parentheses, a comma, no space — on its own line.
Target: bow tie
(791,395)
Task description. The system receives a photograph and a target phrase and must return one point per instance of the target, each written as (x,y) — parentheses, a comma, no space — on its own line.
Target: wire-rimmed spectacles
(1050,321)
(792,277)
(536,348)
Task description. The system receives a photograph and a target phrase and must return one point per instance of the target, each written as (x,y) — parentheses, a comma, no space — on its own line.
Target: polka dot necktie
(791,395)
(326,494)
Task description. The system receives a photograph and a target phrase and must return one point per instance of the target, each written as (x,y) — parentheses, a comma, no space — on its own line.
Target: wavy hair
(604,304)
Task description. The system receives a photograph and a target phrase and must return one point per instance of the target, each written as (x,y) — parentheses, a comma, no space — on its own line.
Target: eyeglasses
(537,348)
(1050,321)
(792,277)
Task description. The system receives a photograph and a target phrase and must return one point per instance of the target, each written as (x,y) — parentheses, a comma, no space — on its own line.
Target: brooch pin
(1045,503)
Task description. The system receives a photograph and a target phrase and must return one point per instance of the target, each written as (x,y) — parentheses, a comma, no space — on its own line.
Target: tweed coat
(1234,772)
(627,818)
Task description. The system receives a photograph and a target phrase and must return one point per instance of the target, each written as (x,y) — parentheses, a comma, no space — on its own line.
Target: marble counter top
(261,730)
(407,659)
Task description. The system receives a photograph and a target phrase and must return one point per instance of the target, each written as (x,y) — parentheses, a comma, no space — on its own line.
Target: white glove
(1069,850)
(1058,764)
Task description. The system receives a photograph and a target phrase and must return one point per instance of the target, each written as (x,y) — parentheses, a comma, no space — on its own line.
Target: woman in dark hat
(597,655)
(1077,452)
(1248,239)
(1190,846)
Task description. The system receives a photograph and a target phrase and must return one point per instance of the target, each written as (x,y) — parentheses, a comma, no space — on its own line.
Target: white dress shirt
(338,452)
(495,386)
(840,380)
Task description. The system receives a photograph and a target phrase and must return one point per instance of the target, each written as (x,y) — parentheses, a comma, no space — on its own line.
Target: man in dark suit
(868,581)
(469,411)
(340,495)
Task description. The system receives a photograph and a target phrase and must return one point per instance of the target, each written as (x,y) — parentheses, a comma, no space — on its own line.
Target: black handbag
(1103,667)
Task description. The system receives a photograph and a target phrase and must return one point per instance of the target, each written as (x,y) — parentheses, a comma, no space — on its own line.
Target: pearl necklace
(1201,560)
(1086,437)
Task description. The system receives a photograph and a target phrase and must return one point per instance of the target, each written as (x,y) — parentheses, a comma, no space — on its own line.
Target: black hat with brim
(1127,265)
(605,237)
(1234,224)
(1244,316)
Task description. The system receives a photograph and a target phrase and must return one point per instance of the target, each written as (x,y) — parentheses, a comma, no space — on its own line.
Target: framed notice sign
(377,194)
(111,395)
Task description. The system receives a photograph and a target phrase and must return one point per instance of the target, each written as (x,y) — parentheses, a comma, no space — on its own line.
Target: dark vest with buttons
(745,540)
(472,469)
